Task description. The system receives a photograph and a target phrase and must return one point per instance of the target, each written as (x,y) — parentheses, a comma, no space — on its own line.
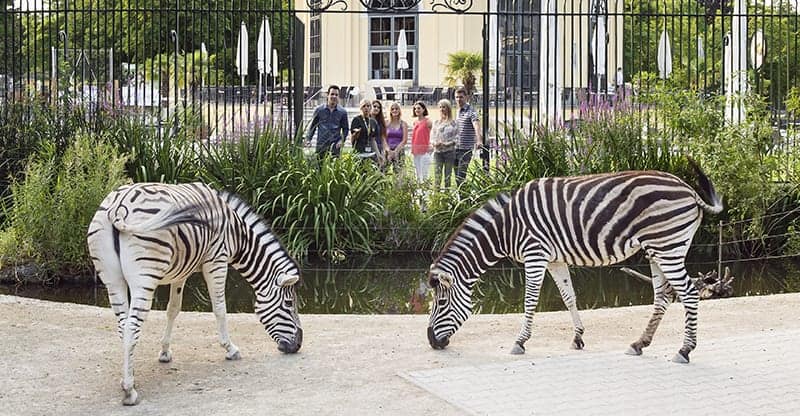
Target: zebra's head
(452,305)
(276,308)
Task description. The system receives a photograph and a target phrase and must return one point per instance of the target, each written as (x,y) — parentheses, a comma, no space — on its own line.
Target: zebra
(150,234)
(593,220)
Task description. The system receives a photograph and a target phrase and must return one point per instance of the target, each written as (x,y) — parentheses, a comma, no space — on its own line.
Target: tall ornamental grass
(24,127)
(334,209)
(168,157)
(54,203)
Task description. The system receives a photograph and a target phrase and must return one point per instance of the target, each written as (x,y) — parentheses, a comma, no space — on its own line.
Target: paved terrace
(65,359)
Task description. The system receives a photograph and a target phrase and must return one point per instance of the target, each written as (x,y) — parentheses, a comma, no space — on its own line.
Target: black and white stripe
(151,234)
(595,220)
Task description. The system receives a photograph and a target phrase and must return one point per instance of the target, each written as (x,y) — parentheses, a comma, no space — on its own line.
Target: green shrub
(402,225)
(247,168)
(24,127)
(8,247)
(154,156)
(55,202)
(333,210)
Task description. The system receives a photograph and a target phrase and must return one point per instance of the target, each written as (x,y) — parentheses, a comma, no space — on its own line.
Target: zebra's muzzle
(436,343)
(291,347)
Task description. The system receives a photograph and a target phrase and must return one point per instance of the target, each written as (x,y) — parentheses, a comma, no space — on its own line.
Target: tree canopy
(139,30)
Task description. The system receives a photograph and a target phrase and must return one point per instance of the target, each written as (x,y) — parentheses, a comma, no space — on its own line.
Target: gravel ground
(60,358)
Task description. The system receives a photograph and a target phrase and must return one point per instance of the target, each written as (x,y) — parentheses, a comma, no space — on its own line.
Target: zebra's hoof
(680,358)
(518,350)
(234,356)
(634,350)
(131,397)
(165,356)
(577,344)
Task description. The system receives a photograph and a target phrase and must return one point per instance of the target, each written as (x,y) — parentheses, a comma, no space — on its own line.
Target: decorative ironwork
(323,5)
(64,37)
(458,6)
(389,6)
(384,6)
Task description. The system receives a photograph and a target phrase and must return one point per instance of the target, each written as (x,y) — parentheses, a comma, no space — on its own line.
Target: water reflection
(396,285)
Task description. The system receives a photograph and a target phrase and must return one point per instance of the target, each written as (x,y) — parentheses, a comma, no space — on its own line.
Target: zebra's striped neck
(255,241)
(477,244)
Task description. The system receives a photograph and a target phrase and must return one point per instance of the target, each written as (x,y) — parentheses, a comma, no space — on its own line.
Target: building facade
(529,43)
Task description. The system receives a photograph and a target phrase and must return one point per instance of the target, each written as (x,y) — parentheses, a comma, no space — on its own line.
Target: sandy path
(58,358)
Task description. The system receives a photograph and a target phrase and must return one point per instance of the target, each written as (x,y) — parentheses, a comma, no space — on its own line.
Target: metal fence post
(719,253)
(173,35)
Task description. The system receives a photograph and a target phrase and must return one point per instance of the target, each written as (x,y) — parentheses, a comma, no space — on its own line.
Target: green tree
(685,22)
(139,30)
(463,66)
(10,30)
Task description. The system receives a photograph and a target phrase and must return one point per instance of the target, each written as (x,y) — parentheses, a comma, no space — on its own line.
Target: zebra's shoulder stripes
(477,220)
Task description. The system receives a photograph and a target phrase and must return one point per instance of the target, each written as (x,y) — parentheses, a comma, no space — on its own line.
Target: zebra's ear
(447,280)
(444,279)
(284,280)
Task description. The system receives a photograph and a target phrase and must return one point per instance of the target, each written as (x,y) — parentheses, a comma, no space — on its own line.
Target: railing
(540,62)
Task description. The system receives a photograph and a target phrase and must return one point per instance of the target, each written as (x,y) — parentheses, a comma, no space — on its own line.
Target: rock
(24,273)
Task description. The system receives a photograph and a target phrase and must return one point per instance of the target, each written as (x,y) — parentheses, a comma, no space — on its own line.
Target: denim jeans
(444,165)
(462,159)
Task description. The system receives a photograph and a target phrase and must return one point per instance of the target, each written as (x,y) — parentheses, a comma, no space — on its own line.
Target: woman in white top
(443,139)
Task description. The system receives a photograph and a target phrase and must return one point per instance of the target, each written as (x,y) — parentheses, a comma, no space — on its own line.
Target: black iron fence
(189,64)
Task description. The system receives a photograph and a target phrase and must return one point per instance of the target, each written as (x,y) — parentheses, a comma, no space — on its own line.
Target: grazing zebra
(151,234)
(594,220)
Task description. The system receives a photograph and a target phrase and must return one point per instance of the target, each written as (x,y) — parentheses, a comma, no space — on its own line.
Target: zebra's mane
(477,220)
(248,214)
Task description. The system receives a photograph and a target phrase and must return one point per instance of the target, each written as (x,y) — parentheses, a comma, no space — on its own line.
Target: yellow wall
(345,44)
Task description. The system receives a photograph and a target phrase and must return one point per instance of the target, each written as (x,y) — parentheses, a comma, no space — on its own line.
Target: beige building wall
(345,46)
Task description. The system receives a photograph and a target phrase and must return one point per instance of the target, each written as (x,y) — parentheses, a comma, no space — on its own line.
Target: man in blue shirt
(330,123)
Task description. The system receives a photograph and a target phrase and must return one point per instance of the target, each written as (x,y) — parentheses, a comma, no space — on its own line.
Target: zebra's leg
(141,301)
(173,308)
(690,298)
(110,274)
(560,274)
(534,274)
(107,266)
(660,304)
(215,274)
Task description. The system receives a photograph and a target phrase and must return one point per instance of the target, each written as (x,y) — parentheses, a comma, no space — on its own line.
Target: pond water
(395,285)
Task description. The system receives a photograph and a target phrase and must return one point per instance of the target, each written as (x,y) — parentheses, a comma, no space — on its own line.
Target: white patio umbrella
(550,66)
(734,65)
(264,46)
(757,49)
(664,56)
(241,53)
(598,49)
(203,62)
(402,52)
(275,71)
(701,51)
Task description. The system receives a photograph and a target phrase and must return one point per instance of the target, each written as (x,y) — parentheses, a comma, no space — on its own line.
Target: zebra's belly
(596,257)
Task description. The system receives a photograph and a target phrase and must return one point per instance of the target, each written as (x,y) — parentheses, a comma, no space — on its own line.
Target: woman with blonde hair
(396,137)
(364,133)
(443,139)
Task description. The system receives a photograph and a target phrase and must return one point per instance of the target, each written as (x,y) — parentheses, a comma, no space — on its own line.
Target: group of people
(449,141)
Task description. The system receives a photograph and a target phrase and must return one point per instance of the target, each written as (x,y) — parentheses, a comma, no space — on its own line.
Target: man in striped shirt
(469,134)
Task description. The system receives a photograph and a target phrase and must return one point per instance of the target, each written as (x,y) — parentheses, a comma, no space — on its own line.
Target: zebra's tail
(714,204)
(162,219)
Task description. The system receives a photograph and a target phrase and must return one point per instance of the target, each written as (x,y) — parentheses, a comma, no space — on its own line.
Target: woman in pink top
(421,141)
